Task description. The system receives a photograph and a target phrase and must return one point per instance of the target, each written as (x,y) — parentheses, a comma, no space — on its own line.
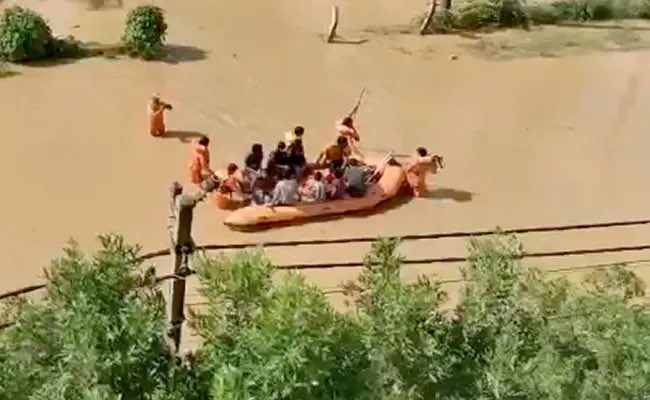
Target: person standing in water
(156,109)
(200,161)
(417,170)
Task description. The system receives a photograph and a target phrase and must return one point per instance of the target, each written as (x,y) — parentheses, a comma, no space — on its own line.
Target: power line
(439,235)
(442,260)
(638,262)
(634,264)
(420,261)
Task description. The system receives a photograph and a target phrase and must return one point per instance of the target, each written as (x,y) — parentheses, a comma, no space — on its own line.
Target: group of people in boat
(287,177)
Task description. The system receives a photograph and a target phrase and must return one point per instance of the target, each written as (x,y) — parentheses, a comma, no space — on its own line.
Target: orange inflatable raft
(388,186)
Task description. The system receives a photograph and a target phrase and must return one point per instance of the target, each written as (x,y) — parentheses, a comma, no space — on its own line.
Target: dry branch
(333,25)
(427,21)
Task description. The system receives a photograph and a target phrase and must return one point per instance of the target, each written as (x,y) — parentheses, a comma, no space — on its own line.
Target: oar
(356,106)
(398,155)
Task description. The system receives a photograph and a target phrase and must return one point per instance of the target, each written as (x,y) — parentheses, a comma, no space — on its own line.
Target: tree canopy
(98,332)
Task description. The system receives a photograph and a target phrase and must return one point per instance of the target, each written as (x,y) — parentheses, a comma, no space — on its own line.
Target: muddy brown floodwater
(527,142)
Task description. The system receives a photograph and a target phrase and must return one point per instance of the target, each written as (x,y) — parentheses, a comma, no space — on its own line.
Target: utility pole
(181,248)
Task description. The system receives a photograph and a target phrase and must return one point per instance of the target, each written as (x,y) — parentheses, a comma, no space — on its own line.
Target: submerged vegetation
(145,32)
(97,333)
(477,14)
(26,36)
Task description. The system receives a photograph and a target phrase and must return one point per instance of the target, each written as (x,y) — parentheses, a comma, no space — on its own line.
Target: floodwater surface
(526,142)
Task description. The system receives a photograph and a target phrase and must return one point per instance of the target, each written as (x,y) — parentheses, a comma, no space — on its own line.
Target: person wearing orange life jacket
(231,184)
(419,167)
(199,167)
(156,109)
(230,193)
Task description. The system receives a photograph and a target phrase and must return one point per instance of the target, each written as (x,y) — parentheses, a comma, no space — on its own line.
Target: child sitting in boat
(314,190)
(231,184)
(356,178)
(335,185)
(230,191)
(285,192)
(262,190)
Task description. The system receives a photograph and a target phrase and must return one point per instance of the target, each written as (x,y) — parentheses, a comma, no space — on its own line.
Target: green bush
(514,334)
(24,35)
(145,32)
(474,14)
(98,332)
(585,10)
(444,20)
(541,13)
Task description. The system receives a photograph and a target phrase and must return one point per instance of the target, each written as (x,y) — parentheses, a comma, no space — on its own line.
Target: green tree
(274,341)
(516,333)
(402,328)
(97,333)
(542,338)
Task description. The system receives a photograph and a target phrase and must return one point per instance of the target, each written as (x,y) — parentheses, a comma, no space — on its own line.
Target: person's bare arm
(159,111)
(321,157)
(355,134)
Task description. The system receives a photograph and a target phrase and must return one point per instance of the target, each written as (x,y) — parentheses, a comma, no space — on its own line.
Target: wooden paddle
(356,106)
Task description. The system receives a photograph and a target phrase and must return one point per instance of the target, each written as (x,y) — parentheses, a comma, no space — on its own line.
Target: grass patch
(553,41)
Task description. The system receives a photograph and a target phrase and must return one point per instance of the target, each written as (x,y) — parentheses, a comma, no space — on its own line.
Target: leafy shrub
(512,14)
(444,20)
(24,35)
(145,32)
(514,334)
(541,12)
(474,14)
(97,333)
(584,10)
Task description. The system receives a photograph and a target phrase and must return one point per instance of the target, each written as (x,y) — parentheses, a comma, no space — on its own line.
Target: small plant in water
(145,32)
